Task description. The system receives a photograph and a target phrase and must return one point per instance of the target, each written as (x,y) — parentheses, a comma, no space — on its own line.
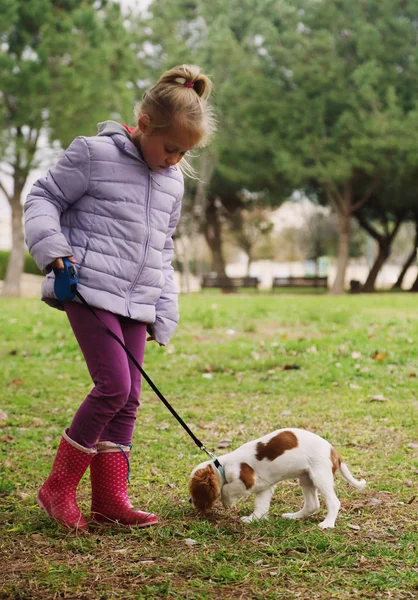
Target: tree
(64,65)
(343,78)
(410,259)
(251,228)
(240,156)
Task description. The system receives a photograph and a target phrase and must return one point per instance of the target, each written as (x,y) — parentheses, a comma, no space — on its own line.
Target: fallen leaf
(3,416)
(355,527)
(290,367)
(15,382)
(378,398)
(224,443)
(190,542)
(207,375)
(379,355)
(23,495)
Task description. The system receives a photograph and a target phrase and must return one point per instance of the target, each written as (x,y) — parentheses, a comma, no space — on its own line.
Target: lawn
(239,366)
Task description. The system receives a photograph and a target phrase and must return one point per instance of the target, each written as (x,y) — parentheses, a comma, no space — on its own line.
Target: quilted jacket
(103,205)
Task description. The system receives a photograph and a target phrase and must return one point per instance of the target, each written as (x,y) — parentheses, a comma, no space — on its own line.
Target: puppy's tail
(345,472)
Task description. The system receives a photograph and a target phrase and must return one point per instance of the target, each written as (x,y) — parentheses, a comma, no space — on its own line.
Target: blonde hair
(180,98)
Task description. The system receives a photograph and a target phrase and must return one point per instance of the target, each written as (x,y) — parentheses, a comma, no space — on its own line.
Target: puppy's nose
(190,501)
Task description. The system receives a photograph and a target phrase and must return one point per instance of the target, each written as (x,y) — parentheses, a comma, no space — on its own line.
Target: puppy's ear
(204,488)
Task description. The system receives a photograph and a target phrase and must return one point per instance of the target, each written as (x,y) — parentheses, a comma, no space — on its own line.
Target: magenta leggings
(108,413)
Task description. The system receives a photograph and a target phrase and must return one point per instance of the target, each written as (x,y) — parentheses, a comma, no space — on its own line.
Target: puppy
(256,468)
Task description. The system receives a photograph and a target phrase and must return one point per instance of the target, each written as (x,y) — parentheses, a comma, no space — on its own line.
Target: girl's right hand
(58,264)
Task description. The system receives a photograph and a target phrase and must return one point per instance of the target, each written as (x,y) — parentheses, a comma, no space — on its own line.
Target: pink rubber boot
(57,496)
(109,472)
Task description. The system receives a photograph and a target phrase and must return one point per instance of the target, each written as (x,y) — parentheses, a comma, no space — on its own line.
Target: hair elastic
(183,81)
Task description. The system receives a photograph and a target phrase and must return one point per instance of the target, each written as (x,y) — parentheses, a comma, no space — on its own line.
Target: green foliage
(63,67)
(29,265)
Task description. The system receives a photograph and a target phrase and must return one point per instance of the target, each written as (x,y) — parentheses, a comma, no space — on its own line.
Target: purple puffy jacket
(102,204)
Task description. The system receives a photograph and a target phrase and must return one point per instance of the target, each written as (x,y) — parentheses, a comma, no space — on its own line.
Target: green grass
(250,345)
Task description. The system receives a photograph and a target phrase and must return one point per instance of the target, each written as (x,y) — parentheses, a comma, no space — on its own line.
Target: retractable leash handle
(65,288)
(66,280)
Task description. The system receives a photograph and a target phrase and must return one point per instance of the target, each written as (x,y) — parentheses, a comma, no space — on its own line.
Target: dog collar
(220,470)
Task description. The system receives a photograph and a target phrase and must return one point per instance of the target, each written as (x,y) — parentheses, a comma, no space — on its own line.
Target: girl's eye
(169,151)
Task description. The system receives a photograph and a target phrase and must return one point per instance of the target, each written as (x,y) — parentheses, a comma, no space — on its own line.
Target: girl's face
(165,149)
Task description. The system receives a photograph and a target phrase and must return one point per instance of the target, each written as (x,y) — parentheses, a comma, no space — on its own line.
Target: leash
(65,288)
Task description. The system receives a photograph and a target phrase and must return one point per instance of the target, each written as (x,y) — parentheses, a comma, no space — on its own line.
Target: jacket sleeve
(167,310)
(49,197)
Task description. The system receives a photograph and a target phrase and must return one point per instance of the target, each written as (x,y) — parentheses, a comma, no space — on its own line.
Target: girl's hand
(151,339)
(58,264)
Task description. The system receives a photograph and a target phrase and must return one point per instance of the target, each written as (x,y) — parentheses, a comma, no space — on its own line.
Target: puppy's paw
(251,518)
(248,519)
(290,516)
(326,525)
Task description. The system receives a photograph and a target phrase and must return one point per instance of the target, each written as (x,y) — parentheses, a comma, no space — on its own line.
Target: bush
(29,266)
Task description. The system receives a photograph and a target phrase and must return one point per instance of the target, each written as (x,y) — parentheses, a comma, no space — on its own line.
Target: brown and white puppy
(256,467)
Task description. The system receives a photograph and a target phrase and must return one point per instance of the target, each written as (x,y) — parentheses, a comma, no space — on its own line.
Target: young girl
(111,205)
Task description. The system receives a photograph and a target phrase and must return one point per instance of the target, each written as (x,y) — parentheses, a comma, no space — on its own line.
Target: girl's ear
(144,124)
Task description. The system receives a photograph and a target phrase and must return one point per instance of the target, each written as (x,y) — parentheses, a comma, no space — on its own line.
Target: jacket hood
(112,128)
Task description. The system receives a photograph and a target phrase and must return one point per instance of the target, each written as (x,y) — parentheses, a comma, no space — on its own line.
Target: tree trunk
(17,254)
(345,205)
(385,242)
(249,263)
(343,252)
(409,261)
(213,235)
(382,255)
(414,287)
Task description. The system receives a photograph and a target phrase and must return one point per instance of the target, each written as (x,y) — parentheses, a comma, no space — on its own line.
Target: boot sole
(106,522)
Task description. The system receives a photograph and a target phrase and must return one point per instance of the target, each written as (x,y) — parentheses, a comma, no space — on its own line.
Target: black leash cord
(145,376)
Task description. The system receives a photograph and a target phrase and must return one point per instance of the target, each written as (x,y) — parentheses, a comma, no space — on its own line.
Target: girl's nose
(172,160)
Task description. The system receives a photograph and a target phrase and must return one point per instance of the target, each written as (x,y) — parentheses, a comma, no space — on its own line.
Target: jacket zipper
(147,210)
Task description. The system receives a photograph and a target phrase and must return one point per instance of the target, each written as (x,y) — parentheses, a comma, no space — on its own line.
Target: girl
(111,205)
